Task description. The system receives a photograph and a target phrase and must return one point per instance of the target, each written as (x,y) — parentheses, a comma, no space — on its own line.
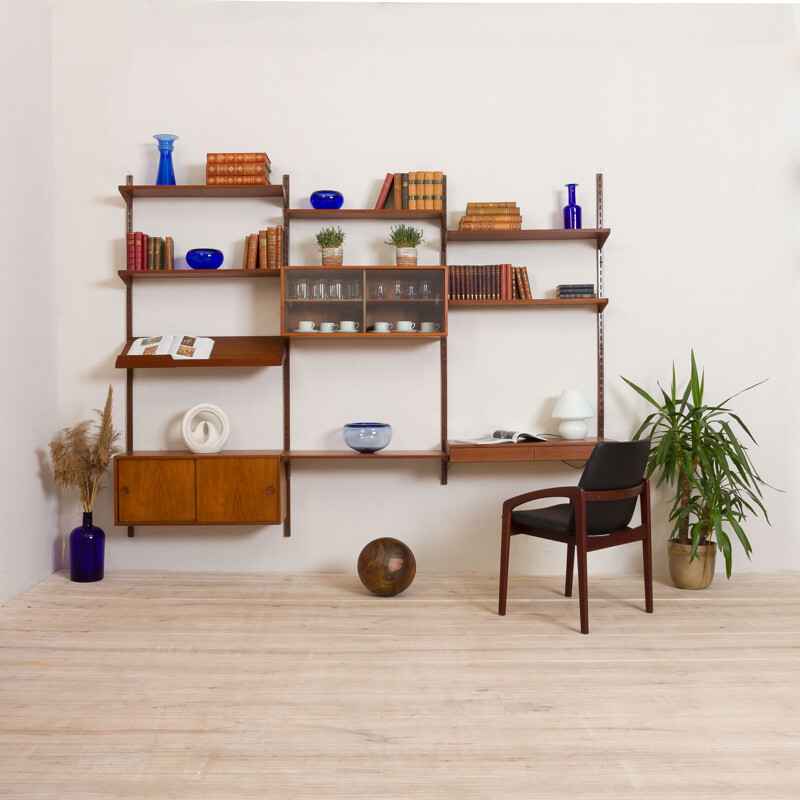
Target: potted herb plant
(406,239)
(80,457)
(700,451)
(330,242)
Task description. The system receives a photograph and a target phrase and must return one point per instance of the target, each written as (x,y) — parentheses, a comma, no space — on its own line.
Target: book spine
(492,205)
(493,212)
(577,287)
(150,249)
(577,296)
(236,180)
(157,253)
(487,218)
(526,283)
(130,251)
(427,191)
(169,253)
(384,193)
(236,169)
(515,293)
(246,248)
(138,252)
(262,249)
(438,191)
(490,226)
(398,190)
(412,191)
(279,254)
(234,158)
(252,251)
(405,190)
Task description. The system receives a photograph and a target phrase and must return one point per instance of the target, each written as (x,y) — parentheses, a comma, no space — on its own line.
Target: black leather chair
(597,516)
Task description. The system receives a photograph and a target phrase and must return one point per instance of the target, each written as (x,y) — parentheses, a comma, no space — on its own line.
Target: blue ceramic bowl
(367,437)
(204,258)
(327,199)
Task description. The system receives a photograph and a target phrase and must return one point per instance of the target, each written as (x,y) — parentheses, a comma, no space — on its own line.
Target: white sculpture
(205,438)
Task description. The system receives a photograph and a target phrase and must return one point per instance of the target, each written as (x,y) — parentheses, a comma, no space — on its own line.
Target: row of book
(264,250)
(488,282)
(573,291)
(412,191)
(237,169)
(491,217)
(143,252)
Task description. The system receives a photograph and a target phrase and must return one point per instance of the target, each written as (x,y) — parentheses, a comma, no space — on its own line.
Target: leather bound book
(384,193)
(169,253)
(398,190)
(526,283)
(158,253)
(233,180)
(262,250)
(438,191)
(492,212)
(279,247)
(252,251)
(412,192)
(246,248)
(486,218)
(405,190)
(150,247)
(491,205)
(236,169)
(427,191)
(130,251)
(138,262)
(241,158)
(490,226)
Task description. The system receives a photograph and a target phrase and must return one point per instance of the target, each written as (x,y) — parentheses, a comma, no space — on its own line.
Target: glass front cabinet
(397,302)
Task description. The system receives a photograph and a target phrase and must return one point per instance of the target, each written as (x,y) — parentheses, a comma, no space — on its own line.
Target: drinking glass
(380,290)
(425,289)
(398,290)
(411,290)
(318,290)
(300,289)
(335,290)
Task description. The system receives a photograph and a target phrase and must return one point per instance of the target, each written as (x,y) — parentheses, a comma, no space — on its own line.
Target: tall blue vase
(87,546)
(572,211)
(166,172)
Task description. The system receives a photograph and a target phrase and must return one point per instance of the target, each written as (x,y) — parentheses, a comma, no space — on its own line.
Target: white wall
(689,111)
(29,540)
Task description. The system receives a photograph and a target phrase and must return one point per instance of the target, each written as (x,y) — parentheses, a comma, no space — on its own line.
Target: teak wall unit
(249,487)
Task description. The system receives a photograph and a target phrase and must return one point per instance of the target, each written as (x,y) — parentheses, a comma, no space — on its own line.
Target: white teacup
(429,327)
(327,327)
(306,325)
(406,325)
(349,325)
(383,327)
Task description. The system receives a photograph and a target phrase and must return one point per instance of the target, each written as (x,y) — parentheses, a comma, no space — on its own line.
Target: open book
(498,437)
(198,347)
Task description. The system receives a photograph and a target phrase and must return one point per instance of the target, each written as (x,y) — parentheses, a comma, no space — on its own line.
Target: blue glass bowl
(327,199)
(367,437)
(204,258)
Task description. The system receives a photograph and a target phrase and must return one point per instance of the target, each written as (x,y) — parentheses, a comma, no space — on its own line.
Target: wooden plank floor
(176,685)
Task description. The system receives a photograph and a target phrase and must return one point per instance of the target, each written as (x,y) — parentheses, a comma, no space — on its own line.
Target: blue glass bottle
(572,211)
(87,546)
(166,173)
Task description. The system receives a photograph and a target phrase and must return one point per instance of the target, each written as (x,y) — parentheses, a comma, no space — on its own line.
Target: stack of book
(573,291)
(491,217)
(413,191)
(237,169)
(145,252)
(488,282)
(264,250)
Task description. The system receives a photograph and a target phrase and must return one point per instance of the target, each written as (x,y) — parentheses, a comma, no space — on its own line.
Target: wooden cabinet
(177,488)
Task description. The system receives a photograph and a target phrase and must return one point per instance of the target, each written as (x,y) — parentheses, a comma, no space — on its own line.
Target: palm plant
(700,452)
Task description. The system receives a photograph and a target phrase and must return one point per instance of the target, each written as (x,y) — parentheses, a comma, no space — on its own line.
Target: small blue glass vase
(327,199)
(204,258)
(572,211)
(166,173)
(87,546)
(367,437)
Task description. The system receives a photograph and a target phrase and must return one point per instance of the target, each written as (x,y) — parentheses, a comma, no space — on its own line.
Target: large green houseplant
(700,451)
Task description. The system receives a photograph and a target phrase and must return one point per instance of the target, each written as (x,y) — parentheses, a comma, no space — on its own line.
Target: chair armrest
(573,493)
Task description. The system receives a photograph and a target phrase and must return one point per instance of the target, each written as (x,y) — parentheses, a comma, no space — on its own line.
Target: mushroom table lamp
(573,409)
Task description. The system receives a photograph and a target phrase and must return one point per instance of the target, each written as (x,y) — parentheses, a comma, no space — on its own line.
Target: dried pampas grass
(81,454)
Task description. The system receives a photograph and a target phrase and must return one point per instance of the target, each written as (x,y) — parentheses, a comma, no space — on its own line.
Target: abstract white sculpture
(205,438)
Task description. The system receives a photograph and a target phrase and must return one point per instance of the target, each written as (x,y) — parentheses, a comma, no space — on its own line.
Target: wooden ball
(387,566)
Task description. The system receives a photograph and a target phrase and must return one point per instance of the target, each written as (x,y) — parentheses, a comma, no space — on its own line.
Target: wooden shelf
(557,450)
(361,213)
(365,335)
(546,235)
(188,455)
(129,192)
(600,303)
(291,455)
(127,275)
(229,351)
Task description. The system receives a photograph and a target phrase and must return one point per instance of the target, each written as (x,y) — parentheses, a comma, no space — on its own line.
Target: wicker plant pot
(332,256)
(406,257)
(696,574)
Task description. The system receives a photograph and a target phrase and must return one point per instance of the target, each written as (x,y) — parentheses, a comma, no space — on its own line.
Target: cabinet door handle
(270,490)
(123,490)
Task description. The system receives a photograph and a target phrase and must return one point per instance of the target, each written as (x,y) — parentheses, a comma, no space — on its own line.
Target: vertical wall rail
(129,334)
(285,252)
(443,375)
(601,361)
(287,370)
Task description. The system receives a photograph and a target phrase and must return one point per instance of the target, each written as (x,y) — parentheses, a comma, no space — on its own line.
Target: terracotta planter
(406,257)
(332,256)
(696,574)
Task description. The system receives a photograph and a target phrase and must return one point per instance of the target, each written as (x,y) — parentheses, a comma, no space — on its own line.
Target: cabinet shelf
(363,335)
(544,235)
(600,303)
(229,351)
(127,275)
(361,213)
(291,455)
(129,191)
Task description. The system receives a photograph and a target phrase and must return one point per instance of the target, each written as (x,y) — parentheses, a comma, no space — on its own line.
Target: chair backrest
(613,465)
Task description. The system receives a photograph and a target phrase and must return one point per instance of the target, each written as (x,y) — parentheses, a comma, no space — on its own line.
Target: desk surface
(556,450)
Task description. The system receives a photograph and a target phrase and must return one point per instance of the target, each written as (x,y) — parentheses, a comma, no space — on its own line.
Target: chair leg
(647,554)
(583,585)
(570,570)
(505,547)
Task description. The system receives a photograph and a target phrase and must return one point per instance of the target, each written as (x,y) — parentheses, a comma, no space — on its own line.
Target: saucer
(297,330)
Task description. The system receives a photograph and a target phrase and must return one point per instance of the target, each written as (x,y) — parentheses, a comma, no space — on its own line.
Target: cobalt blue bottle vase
(87,546)
(572,211)
(166,172)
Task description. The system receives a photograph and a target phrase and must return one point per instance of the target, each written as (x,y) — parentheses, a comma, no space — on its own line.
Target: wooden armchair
(597,516)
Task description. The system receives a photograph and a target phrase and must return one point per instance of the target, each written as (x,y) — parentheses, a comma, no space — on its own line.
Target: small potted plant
(406,239)
(700,451)
(330,242)
(80,457)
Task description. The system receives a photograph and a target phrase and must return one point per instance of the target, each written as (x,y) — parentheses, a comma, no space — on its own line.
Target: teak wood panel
(528,451)
(239,490)
(150,491)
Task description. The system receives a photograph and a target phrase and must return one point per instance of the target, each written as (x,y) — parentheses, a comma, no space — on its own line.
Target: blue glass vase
(166,173)
(327,199)
(572,211)
(367,437)
(87,546)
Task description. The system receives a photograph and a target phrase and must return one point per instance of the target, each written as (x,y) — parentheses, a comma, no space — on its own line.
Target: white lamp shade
(572,405)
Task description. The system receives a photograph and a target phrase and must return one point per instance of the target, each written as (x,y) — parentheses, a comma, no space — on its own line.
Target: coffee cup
(429,327)
(327,327)
(349,325)
(383,327)
(406,325)
(306,325)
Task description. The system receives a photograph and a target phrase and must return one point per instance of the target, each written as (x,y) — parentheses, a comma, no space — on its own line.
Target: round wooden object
(387,566)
